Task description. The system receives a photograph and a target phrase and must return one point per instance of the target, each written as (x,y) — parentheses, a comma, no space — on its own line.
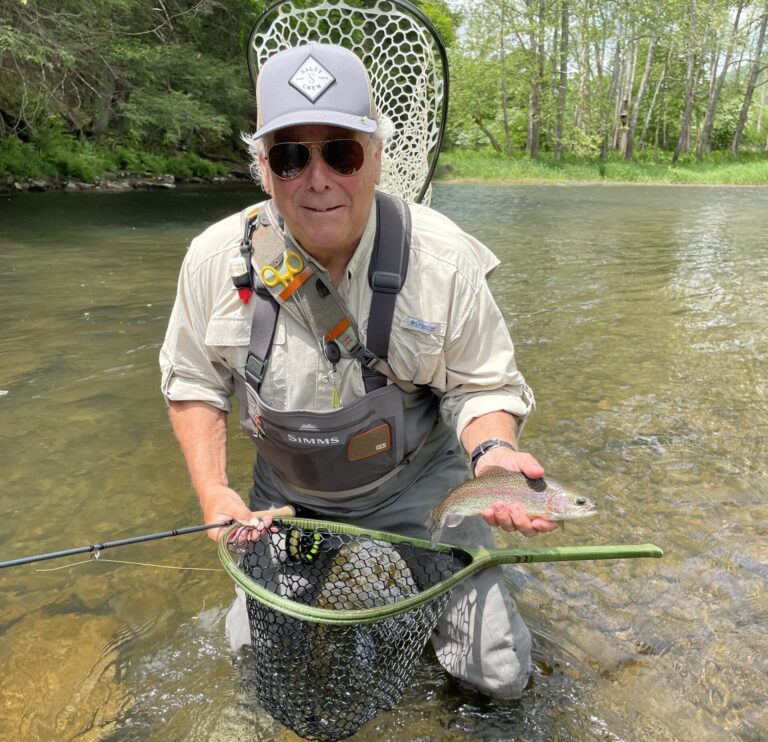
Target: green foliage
(22,160)
(444,19)
(161,76)
(509,56)
(166,121)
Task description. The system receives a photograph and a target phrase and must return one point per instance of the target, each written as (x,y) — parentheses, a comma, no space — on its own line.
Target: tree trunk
(504,100)
(534,112)
(611,95)
(751,82)
(684,140)
(492,139)
(622,112)
(562,92)
(639,99)
(704,144)
(652,106)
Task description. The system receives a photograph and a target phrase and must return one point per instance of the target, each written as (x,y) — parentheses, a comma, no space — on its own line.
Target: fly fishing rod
(96,549)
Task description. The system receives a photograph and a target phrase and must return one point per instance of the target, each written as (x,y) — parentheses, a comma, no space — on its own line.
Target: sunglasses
(288,160)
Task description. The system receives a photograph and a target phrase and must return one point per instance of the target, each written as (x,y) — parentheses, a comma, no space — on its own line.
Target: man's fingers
(515,518)
(255,525)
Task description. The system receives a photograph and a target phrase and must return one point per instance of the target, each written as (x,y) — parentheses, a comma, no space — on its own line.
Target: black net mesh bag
(327,672)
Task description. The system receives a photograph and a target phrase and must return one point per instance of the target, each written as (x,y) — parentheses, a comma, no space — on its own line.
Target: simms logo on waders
(307,440)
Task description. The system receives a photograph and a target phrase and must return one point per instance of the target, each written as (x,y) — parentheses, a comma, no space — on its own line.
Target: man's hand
(222,504)
(513,517)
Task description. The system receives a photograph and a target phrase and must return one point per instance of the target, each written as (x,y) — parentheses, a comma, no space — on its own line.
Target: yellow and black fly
(302,546)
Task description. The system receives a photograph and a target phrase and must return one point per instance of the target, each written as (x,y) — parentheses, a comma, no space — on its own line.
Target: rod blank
(93,548)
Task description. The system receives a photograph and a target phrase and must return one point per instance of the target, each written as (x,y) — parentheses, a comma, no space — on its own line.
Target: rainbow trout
(542,498)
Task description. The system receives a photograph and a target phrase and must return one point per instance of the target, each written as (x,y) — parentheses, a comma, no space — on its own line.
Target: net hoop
(480,558)
(406,62)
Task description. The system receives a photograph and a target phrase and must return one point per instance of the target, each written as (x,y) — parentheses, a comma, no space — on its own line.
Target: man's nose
(317,173)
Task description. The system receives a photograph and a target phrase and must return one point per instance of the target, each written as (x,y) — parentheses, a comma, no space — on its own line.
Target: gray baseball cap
(314,84)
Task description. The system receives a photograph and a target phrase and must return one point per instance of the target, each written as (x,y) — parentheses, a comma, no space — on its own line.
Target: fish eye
(581,500)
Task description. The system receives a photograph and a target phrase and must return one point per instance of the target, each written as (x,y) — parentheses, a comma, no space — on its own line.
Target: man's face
(325,211)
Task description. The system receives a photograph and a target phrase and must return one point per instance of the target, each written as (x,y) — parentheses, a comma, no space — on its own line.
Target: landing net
(406,63)
(322,676)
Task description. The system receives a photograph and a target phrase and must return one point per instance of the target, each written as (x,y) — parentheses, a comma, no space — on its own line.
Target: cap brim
(330,118)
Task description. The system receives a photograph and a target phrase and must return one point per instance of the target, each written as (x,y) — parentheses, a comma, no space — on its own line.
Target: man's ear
(379,147)
(265,176)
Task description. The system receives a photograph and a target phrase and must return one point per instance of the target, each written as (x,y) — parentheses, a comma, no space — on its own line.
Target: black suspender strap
(387,270)
(262,334)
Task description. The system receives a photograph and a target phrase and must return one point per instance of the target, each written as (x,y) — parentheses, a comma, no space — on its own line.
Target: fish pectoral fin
(453,519)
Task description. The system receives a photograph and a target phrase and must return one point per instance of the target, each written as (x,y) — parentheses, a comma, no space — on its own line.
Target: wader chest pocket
(369,443)
(346,449)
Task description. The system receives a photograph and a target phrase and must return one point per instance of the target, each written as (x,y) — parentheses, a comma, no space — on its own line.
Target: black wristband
(484,447)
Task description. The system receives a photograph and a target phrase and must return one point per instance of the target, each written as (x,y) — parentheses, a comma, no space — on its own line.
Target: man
(445,372)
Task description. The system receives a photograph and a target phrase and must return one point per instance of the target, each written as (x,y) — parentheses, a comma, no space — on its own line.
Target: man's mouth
(322,209)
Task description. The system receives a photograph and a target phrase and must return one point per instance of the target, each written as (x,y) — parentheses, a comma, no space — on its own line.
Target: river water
(640,316)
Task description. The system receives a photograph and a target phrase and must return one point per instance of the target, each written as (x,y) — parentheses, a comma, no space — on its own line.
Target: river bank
(717,168)
(453,166)
(114,182)
(81,165)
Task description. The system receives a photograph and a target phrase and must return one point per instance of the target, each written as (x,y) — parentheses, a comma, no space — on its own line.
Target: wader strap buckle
(387,283)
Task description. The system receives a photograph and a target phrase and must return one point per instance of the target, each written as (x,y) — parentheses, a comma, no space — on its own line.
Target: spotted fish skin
(542,498)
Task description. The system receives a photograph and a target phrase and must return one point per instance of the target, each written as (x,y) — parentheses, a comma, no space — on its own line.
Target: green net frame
(339,615)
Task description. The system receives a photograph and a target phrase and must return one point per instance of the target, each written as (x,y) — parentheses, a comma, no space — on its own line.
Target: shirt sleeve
(481,375)
(191,370)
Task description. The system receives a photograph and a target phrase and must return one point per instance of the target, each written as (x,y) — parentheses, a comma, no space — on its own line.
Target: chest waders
(357,448)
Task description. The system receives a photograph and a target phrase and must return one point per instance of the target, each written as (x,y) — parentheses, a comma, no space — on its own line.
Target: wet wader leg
(481,637)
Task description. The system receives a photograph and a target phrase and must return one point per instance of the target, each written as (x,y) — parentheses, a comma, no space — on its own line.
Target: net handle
(253,72)
(481,558)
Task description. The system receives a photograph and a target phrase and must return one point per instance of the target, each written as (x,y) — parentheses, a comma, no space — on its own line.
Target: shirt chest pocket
(227,339)
(418,345)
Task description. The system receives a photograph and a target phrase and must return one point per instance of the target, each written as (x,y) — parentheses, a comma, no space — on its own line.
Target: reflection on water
(639,315)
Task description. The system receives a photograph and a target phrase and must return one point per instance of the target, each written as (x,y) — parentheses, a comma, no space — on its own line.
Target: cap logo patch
(312,79)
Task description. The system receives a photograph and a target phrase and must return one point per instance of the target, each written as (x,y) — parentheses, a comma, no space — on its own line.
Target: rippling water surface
(640,316)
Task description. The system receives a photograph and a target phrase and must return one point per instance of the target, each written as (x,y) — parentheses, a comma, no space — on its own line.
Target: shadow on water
(639,319)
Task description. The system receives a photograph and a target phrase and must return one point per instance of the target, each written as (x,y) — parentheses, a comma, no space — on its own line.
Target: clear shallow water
(640,316)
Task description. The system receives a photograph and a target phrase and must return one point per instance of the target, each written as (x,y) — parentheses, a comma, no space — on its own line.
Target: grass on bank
(718,168)
(70,159)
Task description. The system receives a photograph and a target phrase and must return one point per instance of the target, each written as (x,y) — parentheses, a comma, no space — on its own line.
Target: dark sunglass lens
(345,156)
(288,159)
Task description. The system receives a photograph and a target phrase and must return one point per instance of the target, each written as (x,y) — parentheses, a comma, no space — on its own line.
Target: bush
(23,160)
(64,157)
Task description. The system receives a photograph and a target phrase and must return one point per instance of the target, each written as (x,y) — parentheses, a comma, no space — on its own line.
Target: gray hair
(257,150)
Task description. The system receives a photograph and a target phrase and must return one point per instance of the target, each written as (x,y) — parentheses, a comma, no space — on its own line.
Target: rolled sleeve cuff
(502,401)
(177,388)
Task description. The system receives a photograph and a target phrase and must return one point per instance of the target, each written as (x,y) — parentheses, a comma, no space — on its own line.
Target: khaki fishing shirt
(447,331)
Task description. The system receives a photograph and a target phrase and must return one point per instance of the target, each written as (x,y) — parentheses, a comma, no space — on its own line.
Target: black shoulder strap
(263,327)
(386,275)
